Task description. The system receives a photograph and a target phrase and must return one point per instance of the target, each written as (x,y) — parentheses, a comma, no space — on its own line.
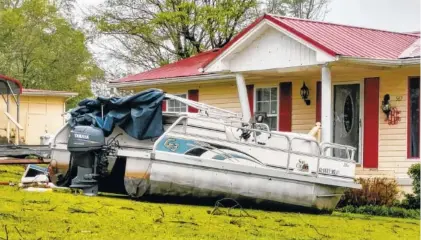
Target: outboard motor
(88,158)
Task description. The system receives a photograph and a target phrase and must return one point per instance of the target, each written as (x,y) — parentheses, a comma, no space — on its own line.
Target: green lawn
(55,215)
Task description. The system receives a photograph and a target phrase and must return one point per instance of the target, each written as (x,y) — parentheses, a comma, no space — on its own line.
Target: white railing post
(326,104)
(242,94)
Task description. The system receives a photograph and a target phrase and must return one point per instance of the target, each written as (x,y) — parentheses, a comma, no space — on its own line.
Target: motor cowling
(88,158)
(85,139)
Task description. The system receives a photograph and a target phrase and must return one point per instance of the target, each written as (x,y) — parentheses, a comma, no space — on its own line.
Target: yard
(58,215)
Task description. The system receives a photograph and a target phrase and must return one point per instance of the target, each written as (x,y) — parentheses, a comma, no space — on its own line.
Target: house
(362,85)
(40,111)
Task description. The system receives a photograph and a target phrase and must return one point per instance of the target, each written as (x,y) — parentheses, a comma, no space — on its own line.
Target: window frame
(277,102)
(408,120)
(176,94)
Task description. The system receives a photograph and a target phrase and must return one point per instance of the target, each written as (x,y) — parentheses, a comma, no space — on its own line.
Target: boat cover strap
(139,115)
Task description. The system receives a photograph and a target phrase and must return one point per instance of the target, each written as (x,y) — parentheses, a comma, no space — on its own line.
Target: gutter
(382,62)
(159,81)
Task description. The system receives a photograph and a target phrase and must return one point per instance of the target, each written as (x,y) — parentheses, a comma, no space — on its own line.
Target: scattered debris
(127,208)
(35,174)
(33,189)
(79,210)
(218,211)
(7,183)
(52,209)
(236,222)
(17,230)
(184,222)
(315,229)
(7,232)
(162,212)
(160,219)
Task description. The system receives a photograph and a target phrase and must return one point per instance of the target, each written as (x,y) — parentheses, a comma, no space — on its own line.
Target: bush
(375,191)
(382,211)
(412,201)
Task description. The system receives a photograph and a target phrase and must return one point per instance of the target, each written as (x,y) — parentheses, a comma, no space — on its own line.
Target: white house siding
(271,50)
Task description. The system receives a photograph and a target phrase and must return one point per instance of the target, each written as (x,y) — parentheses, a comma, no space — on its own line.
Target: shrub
(375,191)
(412,201)
(382,211)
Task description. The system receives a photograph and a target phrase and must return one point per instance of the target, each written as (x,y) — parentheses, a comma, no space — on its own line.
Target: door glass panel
(414,118)
(348,113)
(346,127)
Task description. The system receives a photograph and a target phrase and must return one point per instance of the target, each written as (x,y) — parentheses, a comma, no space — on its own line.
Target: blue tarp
(139,115)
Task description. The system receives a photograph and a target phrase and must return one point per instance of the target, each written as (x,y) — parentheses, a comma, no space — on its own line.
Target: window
(176,106)
(267,101)
(414,118)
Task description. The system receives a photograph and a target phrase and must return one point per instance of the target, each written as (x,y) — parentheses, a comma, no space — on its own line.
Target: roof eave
(141,83)
(381,62)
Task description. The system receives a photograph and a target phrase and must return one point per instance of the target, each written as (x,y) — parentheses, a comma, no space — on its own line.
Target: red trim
(371,123)
(193,95)
(299,34)
(285,107)
(17,82)
(250,96)
(408,126)
(319,101)
(164,105)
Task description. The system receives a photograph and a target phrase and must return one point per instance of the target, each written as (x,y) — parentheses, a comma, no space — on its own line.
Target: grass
(55,215)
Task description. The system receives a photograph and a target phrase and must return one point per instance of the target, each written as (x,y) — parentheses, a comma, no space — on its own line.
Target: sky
(393,15)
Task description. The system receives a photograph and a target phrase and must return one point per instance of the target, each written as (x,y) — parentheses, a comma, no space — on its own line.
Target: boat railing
(320,148)
(327,149)
(206,110)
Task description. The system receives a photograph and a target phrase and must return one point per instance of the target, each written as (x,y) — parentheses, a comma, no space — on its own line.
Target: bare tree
(151,33)
(308,9)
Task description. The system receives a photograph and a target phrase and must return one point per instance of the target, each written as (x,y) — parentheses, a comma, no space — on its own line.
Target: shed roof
(334,39)
(41,92)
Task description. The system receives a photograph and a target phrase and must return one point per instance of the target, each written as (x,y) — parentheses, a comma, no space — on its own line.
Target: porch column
(242,94)
(326,104)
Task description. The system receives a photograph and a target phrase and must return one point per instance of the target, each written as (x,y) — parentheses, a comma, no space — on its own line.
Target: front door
(346,122)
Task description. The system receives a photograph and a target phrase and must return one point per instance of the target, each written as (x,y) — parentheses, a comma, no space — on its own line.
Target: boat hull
(162,178)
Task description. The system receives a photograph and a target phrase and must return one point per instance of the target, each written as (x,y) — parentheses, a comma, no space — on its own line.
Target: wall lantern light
(304,92)
(386,105)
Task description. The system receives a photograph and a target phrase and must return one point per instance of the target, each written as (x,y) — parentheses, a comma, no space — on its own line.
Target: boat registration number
(328,171)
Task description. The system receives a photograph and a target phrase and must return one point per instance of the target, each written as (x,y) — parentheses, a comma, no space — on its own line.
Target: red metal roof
(16,84)
(349,40)
(334,39)
(185,67)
